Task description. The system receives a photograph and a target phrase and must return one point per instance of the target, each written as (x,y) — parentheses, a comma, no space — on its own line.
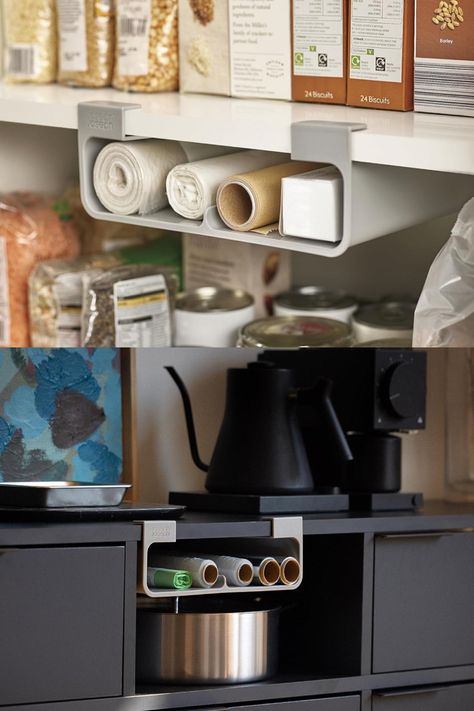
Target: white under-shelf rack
(286,539)
(398,169)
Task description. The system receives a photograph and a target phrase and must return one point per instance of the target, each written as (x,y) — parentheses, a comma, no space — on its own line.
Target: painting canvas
(60,414)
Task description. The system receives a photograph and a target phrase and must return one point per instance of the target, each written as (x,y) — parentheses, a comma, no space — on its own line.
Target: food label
(67,290)
(260,48)
(318,38)
(133,30)
(72,35)
(22,60)
(142,313)
(376,51)
(4,295)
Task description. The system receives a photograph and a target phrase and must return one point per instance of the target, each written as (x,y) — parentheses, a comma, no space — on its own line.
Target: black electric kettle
(260,449)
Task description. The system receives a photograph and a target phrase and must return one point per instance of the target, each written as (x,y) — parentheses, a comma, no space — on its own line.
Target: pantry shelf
(410,140)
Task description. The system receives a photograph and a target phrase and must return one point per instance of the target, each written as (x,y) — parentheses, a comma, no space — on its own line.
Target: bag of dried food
(146,57)
(56,288)
(30,44)
(129,307)
(31,230)
(55,299)
(86,30)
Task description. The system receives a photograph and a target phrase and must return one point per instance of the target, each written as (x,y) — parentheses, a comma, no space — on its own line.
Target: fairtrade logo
(355,61)
(299,58)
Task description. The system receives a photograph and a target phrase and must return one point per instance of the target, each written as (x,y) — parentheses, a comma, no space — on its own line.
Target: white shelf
(426,141)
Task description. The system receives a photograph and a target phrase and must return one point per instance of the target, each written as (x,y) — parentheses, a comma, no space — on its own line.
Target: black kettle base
(296,503)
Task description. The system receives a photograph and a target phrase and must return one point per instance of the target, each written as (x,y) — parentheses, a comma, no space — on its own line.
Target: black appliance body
(376,393)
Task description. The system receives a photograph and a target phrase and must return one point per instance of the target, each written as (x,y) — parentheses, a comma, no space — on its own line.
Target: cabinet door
(456,698)
(338,703)
(61,623)
(423,601)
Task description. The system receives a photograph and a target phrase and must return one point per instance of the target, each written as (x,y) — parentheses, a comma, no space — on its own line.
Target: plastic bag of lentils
(30,43)
(146,47)
(86,30)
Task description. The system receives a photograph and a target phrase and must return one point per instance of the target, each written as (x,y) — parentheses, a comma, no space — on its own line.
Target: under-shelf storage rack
(416,166)
(393,197)
(285,539)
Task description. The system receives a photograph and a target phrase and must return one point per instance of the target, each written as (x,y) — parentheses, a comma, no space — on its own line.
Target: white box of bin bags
(261,271)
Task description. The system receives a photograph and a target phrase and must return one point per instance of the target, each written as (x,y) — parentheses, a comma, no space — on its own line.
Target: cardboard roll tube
(290,570)
(204,571)
(252,200)
(237,571)
(266,571)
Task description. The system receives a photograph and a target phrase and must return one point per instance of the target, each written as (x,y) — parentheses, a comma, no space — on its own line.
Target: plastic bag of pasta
(86,30)
(146,57)
(31,230)
(129,307)
(30,44)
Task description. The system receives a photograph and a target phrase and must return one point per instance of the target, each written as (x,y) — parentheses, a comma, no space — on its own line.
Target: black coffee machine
(310,430)
(376,392)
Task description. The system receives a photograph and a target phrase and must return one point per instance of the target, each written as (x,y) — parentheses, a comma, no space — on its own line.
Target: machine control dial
(403,389)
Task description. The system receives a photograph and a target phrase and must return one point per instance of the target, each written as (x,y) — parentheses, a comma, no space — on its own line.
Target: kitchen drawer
(456,698)
(423,601)
(61,622)
(336,703)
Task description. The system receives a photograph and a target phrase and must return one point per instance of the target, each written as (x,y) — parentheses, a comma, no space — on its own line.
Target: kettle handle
(188,414)
(319,395)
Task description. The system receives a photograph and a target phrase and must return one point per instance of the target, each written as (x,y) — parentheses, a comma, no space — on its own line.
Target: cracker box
(380,54)
(319,47)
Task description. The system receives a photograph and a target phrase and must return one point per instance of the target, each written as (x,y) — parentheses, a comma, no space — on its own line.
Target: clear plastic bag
(30,43)
(444,314)
(86,42)
(129,306)
(31,230)
(146,57)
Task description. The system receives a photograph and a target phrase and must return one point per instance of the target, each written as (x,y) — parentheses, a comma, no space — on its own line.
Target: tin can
(211,316)
(295,332)
(388,319)
(315,301)
(386,343)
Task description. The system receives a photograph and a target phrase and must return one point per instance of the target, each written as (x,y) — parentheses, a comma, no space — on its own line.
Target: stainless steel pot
(214,647)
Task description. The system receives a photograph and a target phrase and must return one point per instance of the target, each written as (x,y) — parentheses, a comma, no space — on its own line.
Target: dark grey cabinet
(61,623)
(459,697)
(423,601)
(386,602)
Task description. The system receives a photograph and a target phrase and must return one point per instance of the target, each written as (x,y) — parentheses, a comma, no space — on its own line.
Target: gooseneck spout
(188,413)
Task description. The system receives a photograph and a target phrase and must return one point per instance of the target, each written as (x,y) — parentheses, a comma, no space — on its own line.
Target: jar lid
(295,332)
(396,315)
(312,298)
(208,299)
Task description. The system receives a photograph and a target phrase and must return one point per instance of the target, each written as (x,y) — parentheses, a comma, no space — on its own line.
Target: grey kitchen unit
(383,618)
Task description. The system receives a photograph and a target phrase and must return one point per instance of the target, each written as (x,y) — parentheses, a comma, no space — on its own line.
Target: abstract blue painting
(60,414)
